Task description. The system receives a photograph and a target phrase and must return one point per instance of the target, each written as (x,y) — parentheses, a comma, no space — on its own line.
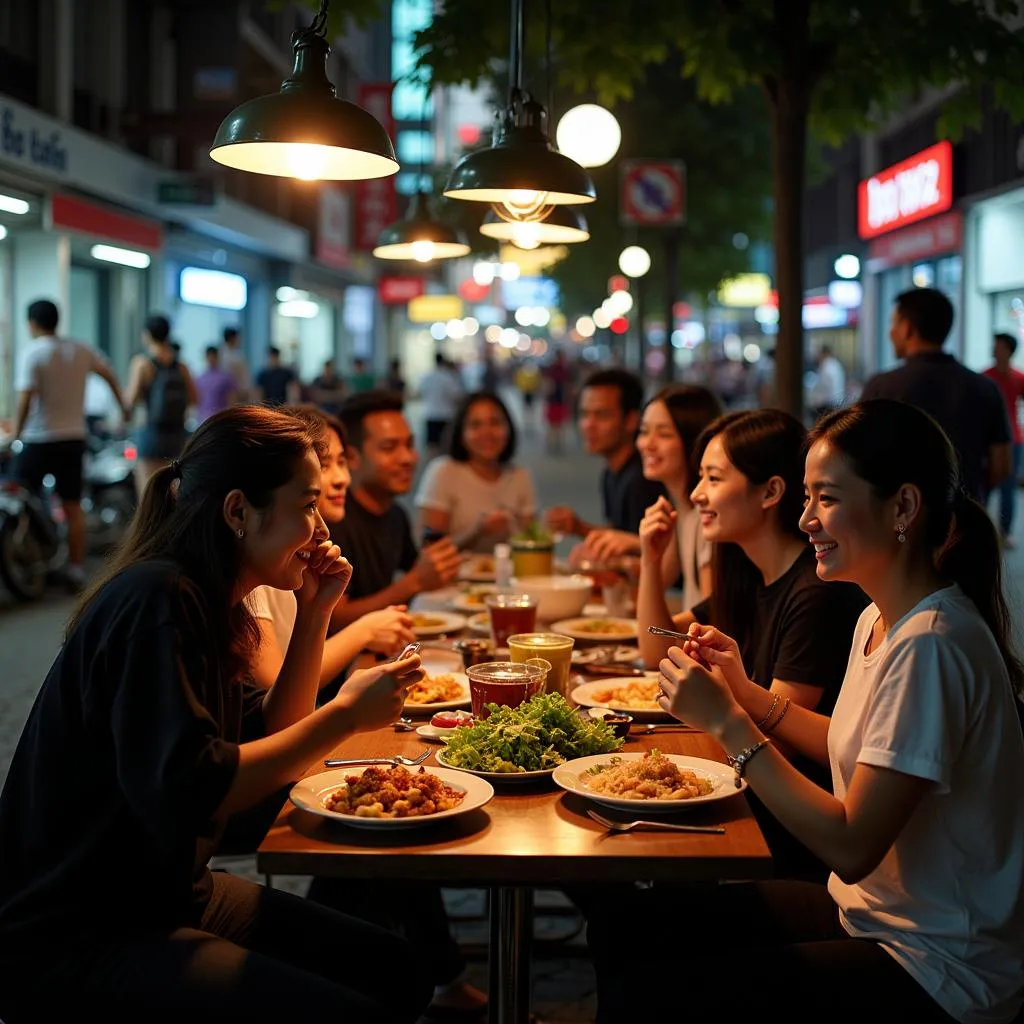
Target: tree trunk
(790,103)
(672,240)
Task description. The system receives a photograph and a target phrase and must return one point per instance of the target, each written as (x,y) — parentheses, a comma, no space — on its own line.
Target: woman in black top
(147,736)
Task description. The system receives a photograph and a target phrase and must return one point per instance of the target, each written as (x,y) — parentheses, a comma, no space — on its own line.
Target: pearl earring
(901,532)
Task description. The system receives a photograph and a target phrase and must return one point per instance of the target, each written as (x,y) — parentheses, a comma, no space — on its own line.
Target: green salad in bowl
(537,736)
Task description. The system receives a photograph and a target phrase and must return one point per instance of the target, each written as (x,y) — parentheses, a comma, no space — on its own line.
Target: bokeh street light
(588,134)
(634,261)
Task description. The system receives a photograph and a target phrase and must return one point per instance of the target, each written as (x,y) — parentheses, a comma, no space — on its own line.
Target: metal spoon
(405,725)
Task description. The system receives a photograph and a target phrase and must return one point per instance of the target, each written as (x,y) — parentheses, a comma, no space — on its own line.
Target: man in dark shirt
(375,535)
(608,417)
(967,405)
(277,384)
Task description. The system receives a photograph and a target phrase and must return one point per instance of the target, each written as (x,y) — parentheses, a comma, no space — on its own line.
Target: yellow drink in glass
(553,648)
(532,558)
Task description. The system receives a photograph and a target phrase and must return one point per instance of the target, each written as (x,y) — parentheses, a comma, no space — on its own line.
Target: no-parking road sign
(653,192)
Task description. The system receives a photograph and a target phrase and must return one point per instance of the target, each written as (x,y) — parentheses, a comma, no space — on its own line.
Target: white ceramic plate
(438,660)
(621,655)
(412,708)
(463,601)
(572,777)
(433,623)
(499,777)
(478,569)
(588,695)
(480,623)
(578,629)
(432,732)
(309,794)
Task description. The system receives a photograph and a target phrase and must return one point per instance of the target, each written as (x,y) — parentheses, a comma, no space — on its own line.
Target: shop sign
(933,238)
(33,142)
(909,191)
(428,309)
(397,291)
(376,203)
(74,214)
(191,191)
(744,291)
(333,233)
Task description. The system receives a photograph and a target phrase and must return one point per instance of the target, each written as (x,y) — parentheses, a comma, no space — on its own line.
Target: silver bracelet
(739,762)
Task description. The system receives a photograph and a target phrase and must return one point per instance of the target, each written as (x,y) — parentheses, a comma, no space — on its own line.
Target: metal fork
(408,762)
(628,826)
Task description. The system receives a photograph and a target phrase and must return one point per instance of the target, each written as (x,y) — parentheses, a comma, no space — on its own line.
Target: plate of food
(479,623)
(444,723)
(470,599)
(441,691)
(528,742)
(380,797)
(602,629)
(478,569)
(632,694)
(648,782)
(433,623)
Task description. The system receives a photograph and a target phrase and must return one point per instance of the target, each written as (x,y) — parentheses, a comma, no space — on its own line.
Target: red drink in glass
(510,613)
(503,683)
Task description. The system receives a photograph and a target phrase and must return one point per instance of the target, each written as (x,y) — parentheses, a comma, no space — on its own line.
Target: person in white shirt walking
(51,419)
(232,359)
(829,390)
(440,391)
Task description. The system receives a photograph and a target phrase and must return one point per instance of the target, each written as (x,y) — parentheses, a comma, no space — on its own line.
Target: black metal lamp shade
(419,237)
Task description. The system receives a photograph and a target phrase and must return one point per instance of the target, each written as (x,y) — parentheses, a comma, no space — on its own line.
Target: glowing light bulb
(526,235)
(307,161)
(524,202)
(422,250)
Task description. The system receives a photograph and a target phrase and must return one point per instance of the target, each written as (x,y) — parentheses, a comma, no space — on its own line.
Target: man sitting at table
(375,535)
(607,418)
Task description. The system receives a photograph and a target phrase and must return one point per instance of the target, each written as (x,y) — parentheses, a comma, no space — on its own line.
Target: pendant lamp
(563,225)
(419,237)
(305,131)
(520,170)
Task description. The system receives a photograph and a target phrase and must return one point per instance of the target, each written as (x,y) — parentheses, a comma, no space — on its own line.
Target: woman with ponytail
(923,916)
(148,736)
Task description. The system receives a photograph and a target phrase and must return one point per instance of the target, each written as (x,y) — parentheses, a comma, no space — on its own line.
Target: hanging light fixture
(563,225)
(520,172)
(305,131)
(419,236)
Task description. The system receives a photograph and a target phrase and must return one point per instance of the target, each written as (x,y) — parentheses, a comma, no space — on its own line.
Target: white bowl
(558,597)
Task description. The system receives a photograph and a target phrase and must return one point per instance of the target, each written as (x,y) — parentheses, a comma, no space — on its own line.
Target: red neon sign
(906,192)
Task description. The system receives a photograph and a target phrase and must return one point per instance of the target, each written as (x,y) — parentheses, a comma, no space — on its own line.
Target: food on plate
(653,777)
(393,793)
(480,565)
(421,620)
(641,696)
(451,720)
(473,597)
(540,734)
(604,627)
(435,690)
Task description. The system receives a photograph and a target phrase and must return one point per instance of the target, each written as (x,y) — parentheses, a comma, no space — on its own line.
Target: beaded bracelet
(739,762)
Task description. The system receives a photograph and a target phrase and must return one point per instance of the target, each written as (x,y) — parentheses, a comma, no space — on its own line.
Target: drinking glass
(552,647)
(503,683)
(532,557)
(510,613)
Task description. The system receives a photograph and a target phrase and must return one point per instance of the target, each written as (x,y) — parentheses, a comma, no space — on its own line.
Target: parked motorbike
(31,537)
(108,494)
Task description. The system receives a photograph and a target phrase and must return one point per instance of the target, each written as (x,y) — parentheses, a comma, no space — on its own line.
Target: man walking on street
(51,419)
(1011,385)
(232,359)
(965,404)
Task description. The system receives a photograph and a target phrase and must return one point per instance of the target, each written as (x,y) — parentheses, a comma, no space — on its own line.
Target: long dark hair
(456,446)
(890,444)
(692,409)
(180,518)
(761,443)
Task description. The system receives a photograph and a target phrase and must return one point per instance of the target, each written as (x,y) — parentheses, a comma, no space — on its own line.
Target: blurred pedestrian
(328,389)
(361,378)
(395,381)
(1010,382)
(829,390)
(232,359)
(215,387)
(439,391)
(276,383)
(556,401)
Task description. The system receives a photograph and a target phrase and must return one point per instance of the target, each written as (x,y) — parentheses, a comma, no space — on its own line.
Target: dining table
(529,835)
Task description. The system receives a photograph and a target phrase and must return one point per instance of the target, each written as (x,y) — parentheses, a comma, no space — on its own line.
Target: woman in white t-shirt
(474,494)
(672,545)
(923,916)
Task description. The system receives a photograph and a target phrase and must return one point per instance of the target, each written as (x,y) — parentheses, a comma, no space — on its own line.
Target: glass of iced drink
(503,683)
(552,647)
(510,613)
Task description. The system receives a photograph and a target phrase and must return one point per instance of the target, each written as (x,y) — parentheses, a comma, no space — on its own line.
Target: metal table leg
(511,927)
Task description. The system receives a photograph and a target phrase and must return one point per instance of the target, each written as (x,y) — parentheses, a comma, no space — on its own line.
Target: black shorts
(435,431)
(61,458)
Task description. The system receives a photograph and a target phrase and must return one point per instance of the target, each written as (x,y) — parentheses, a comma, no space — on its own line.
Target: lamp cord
(319,24)
(547,59)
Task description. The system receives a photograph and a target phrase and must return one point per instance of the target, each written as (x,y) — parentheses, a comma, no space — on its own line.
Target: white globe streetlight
(588,134)
(634,261)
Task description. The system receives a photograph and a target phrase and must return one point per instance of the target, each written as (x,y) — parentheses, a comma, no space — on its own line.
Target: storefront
(914,240)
